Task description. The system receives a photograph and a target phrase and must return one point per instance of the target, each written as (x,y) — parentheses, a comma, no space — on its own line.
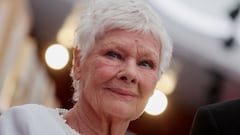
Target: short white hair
(132,15)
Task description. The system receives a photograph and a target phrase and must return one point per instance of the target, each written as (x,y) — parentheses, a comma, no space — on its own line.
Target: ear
(76,64)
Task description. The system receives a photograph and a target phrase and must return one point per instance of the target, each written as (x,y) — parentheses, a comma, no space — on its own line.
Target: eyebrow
(113,44)
(146,52)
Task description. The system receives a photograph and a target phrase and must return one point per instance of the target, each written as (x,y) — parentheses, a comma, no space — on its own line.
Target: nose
(129,72)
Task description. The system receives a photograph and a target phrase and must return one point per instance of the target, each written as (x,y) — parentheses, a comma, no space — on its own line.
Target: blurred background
(36,39)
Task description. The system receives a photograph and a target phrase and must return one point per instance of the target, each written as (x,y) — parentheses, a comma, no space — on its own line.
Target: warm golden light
(167,83)
(157,103)
(65,35)
(56,56)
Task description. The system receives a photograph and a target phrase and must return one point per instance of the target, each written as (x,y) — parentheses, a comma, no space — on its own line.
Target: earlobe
(76,64)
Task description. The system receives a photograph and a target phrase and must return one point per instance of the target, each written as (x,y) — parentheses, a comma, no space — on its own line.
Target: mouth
(123,94)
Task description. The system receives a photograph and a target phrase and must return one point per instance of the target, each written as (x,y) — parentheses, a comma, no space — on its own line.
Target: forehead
(144,42)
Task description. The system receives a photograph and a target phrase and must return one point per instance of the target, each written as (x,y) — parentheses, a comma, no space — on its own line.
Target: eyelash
(149,63)
(115,55)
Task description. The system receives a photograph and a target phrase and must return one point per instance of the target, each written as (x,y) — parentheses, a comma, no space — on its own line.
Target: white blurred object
(56,56)
(157,103)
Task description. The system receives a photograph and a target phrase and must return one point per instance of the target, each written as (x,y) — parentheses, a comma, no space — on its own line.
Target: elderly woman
(121,51)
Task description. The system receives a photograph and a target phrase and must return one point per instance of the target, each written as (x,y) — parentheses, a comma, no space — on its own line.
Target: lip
(123,93)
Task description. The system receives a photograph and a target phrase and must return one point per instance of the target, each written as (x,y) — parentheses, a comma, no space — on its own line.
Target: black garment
(218,119)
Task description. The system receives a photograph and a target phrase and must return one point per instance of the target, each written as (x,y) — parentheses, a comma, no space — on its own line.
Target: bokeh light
(168,82)
(157,103)
(56,56)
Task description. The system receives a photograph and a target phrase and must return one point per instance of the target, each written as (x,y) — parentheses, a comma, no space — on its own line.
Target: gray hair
(132,15)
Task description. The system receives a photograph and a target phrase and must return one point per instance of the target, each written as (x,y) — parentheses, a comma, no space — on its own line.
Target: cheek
(105,69)
(149,85)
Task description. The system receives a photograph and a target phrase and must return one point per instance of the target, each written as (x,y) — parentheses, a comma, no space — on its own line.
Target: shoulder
(18,119)
(24,110)
(225,106)
(218,118)
(26,107)
(224,113)
(215,118)
(30,119)
(21,109)
(230,108)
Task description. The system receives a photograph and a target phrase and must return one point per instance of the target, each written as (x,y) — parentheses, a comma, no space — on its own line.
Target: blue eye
(146,63)
(113,55)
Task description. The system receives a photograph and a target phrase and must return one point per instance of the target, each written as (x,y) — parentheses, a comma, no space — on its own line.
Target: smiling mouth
(123,94)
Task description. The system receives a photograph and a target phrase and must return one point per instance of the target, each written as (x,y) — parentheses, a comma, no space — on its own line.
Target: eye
(147,64)
(113,54)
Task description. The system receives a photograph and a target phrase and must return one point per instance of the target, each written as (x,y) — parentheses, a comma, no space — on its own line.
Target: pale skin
(117,78)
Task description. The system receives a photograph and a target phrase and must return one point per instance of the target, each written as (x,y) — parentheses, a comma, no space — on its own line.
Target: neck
(89,122)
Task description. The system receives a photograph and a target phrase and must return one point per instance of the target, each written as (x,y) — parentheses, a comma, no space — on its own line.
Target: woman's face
(120,74)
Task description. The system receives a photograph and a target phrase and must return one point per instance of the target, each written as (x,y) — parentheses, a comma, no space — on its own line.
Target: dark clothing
(218,119)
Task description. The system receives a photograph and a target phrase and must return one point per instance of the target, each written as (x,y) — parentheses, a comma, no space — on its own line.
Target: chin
(124,111)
